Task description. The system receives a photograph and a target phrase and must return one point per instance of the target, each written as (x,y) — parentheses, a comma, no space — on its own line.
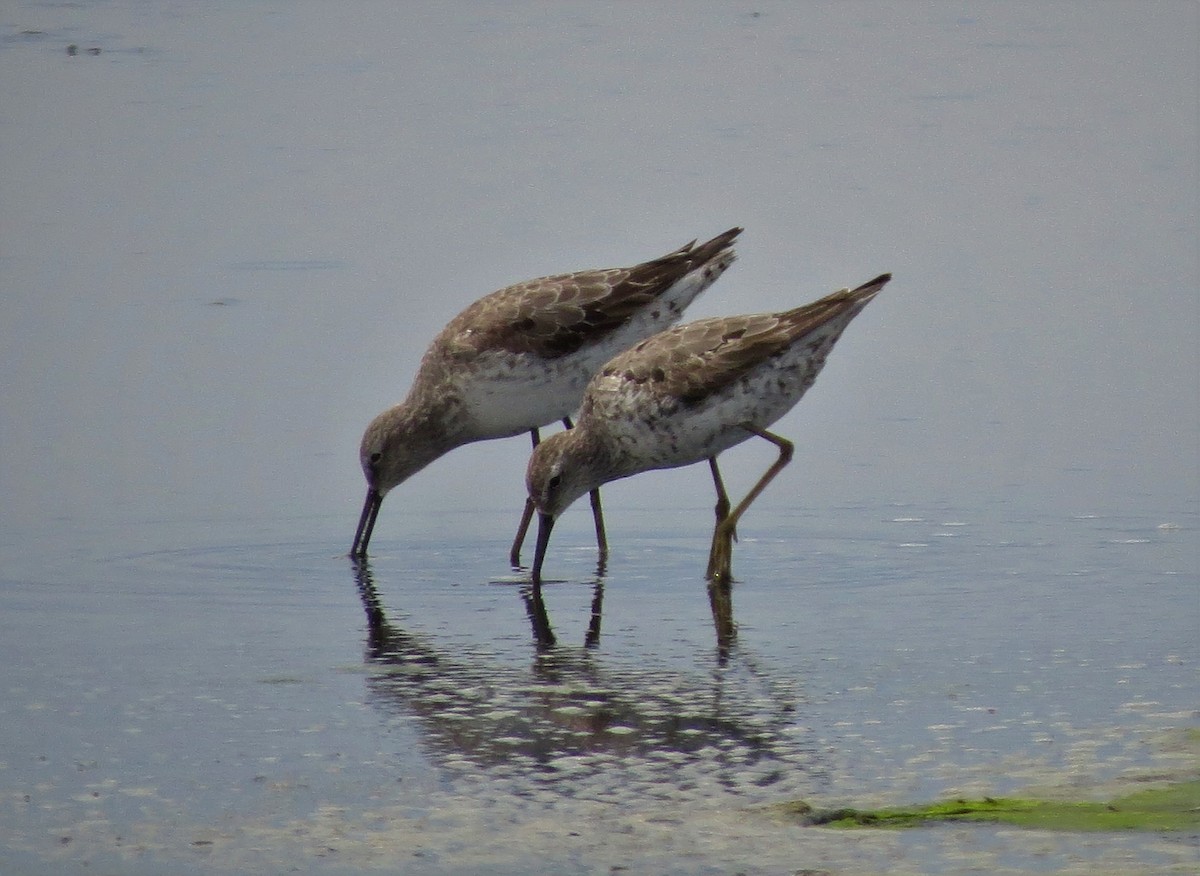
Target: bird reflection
(720,594)
(720,597)
(579,715)
(539,618)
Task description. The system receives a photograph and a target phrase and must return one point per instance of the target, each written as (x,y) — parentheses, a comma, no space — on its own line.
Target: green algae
(1166,800)
(1174,807)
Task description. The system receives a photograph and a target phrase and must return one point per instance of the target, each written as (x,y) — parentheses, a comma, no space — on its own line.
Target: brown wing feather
(693,360)
(697,359)
(556,315)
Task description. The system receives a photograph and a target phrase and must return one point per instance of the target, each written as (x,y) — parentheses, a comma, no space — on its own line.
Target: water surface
(268,705)
(228,232)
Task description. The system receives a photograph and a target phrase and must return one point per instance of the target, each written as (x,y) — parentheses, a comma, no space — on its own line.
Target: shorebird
(520,358)
(684,396)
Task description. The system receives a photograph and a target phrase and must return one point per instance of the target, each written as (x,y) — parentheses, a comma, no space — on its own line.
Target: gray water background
(227,236)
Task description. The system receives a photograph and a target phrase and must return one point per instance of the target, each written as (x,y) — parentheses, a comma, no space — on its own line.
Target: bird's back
(688,388)
(556,316)
(521,357)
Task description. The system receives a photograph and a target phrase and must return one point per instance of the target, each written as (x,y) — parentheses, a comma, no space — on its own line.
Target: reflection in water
(543,633)
(535,606)
(581,723)
(720,596)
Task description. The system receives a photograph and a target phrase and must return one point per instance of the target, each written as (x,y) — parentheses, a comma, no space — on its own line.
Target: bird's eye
(554,482)
(375,457)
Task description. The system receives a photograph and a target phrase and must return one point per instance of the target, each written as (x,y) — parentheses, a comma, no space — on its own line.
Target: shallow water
(230,229)
(257,703)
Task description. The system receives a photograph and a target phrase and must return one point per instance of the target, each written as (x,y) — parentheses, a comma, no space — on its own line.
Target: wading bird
(520,358)
(685,395)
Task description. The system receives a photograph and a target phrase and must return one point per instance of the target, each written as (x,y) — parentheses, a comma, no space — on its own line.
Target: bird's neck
(590,452)
(429,427)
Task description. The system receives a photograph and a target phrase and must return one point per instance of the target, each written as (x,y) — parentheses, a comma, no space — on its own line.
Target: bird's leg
(720,595)
(514,555)
(597,516)
(720,557)
(722,507)
(601,538)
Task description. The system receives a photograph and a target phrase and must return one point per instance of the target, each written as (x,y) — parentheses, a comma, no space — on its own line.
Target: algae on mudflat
(1175,807)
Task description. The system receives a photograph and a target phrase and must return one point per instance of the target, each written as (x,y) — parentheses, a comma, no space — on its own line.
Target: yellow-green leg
(720,556)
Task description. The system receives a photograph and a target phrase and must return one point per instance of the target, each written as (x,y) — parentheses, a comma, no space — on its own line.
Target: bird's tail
(869,290)
(833,311)
(715,248)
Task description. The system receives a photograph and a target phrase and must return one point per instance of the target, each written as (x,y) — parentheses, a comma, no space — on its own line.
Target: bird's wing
(694,360)
(554,316)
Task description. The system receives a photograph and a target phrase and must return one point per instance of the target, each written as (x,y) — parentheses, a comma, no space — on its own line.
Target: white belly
(505,399)
(506,393)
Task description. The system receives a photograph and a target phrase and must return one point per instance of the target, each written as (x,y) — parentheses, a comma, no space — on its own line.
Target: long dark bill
(545,524)
(366,523)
